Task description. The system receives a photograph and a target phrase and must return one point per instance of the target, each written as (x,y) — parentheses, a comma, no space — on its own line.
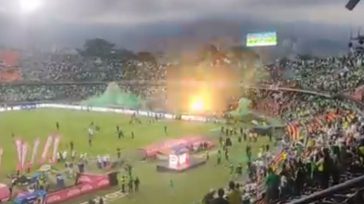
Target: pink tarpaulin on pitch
(4,193)
(86,184)
(167,145)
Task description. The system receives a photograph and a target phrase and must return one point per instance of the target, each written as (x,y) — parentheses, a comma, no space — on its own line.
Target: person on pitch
(171,184)
(130,184)
(165,130)
(57,126)
(239,169)
(136,184)
(245,135)
(231,169)
(123,184)
(130,170)
(218,157)
(227,154)
(91,132)
(72,146)
(248,152)
(119,132)
(118,153)
(270,137)
(99,162)
(73,155)
(221,140)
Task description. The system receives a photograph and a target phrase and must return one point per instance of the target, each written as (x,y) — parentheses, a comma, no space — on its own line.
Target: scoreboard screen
(261,39)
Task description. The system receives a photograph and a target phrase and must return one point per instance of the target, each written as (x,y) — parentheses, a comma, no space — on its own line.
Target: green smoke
(114,96)
(243,108)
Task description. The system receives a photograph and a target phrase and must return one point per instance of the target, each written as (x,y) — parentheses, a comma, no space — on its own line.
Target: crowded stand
(76,68)
(322,144)
(322,141)
(324,137)
(74,77)
(38,92)
(330,74)
(69,92)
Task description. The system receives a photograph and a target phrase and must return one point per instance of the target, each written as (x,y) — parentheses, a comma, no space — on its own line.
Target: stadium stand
(330,127)
(333,141)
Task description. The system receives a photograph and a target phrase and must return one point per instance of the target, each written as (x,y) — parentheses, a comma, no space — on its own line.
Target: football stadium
(260,118)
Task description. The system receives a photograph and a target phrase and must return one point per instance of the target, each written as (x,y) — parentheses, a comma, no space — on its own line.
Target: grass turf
(189,187)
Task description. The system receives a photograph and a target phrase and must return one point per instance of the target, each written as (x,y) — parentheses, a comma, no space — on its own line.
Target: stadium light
(197,105)
(28,6)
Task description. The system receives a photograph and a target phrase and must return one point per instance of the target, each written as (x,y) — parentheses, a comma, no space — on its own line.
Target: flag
(19,149)
(55,148)
(296,135)
(293,130)
(277,161)
(350,117)
(47,146)
(35,151)
(23,155)
(331,116)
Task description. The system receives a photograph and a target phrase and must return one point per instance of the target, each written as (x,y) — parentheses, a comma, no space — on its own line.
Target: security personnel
(123,184)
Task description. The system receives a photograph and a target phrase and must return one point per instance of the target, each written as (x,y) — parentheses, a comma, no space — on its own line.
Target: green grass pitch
(190,186)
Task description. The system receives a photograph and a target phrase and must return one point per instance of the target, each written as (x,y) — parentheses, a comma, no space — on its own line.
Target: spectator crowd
(324,139)
(327,147)
(74,77)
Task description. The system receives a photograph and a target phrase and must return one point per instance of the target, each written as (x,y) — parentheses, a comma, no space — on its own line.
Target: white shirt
(91,131)
(99,160)
(64,154)
(104,158)
(58,156)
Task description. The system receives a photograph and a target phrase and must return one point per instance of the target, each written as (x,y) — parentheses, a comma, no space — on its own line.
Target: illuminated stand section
(179,160)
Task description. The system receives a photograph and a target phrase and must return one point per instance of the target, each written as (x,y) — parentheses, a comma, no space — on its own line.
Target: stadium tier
(287,132)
